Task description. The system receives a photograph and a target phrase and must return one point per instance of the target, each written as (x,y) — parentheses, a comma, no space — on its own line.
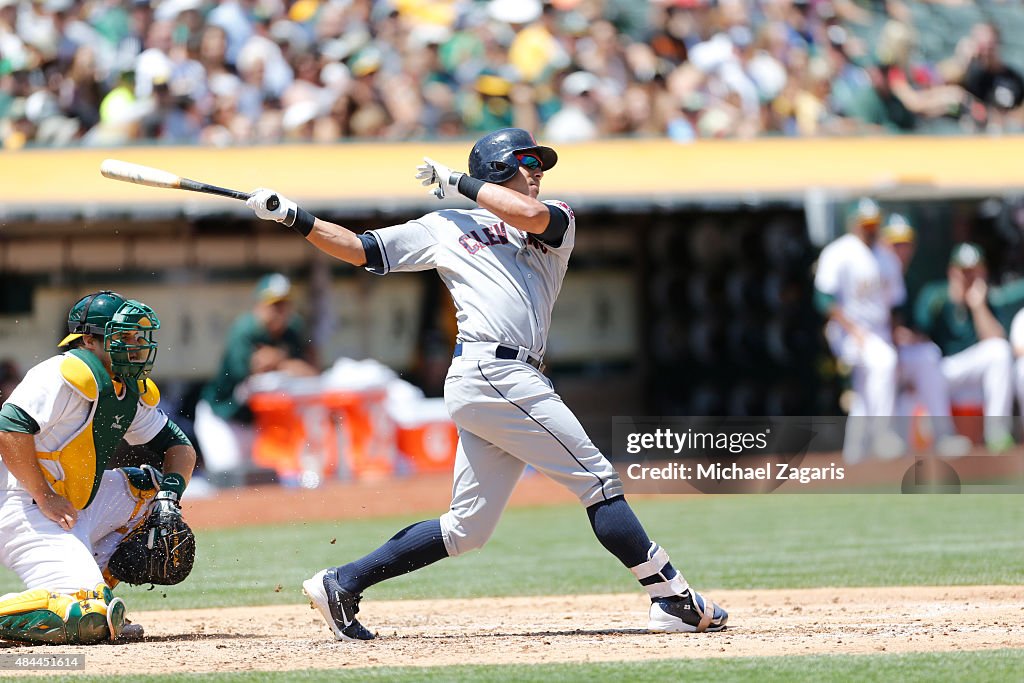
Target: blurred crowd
(228,72)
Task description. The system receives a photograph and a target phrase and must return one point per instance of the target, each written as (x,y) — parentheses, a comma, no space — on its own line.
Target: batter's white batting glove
(271,206)
(432,172)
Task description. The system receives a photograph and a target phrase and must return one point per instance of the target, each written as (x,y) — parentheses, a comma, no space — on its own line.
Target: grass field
(744,542)
(999,665)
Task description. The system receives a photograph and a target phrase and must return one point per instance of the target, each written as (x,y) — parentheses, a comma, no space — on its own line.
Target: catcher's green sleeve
(14,419)
(170,435)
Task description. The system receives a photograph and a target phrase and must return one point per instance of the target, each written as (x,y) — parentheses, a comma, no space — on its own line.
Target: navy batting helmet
(493,157)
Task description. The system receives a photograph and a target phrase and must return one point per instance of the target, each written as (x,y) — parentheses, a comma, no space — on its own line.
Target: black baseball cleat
(686,613)
(131,632)
(338,607)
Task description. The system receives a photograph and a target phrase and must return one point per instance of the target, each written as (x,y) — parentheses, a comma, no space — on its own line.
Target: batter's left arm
(515,208)
(511,206)
(549,223)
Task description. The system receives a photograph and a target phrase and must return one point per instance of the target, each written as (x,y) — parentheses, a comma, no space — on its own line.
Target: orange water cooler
(429,446)
(363,441)
(311,437)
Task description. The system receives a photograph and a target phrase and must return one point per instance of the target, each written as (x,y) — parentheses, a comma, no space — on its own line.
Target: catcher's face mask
(130,339)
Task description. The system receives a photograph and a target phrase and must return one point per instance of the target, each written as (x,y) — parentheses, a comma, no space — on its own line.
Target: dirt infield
(531,630)
(348,500)
(577,628)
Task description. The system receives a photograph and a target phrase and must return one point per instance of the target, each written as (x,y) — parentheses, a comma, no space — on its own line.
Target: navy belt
(505,353)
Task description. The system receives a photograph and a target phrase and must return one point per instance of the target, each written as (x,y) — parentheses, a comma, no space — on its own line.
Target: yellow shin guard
(80,618)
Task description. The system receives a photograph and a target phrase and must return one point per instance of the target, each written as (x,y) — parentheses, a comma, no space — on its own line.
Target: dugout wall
(689,291)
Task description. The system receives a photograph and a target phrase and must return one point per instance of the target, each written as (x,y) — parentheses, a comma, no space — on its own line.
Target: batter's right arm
(18,451)
(330,238)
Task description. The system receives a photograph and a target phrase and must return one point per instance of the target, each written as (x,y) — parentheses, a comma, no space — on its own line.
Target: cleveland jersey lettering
(492,235)
(503,281)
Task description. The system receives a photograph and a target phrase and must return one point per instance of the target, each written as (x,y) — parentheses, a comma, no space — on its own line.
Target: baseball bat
(154,177)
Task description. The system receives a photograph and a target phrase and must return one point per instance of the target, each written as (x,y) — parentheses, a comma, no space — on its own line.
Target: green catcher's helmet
(128,328)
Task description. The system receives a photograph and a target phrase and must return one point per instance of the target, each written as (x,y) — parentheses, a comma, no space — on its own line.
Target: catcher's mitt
(161,551)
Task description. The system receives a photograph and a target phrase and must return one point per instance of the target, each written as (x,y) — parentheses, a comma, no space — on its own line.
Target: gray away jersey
(503,281)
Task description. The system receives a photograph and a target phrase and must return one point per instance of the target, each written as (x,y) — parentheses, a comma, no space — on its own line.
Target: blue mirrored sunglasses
(530,161)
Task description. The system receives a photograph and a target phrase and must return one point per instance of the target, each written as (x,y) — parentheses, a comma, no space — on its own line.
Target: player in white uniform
(858,282)
(503,264)
(61,514)
(962,316)
(920,376)
(1017,342)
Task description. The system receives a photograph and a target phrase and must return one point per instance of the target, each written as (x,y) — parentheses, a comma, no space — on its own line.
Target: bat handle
(273,202)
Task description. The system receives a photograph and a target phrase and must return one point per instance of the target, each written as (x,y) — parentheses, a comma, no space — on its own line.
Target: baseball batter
(503,263)
(62,516)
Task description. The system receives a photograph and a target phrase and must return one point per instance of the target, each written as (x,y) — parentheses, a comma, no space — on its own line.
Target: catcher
(62,516)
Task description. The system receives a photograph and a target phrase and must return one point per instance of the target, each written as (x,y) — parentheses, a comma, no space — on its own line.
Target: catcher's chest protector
(85,456)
